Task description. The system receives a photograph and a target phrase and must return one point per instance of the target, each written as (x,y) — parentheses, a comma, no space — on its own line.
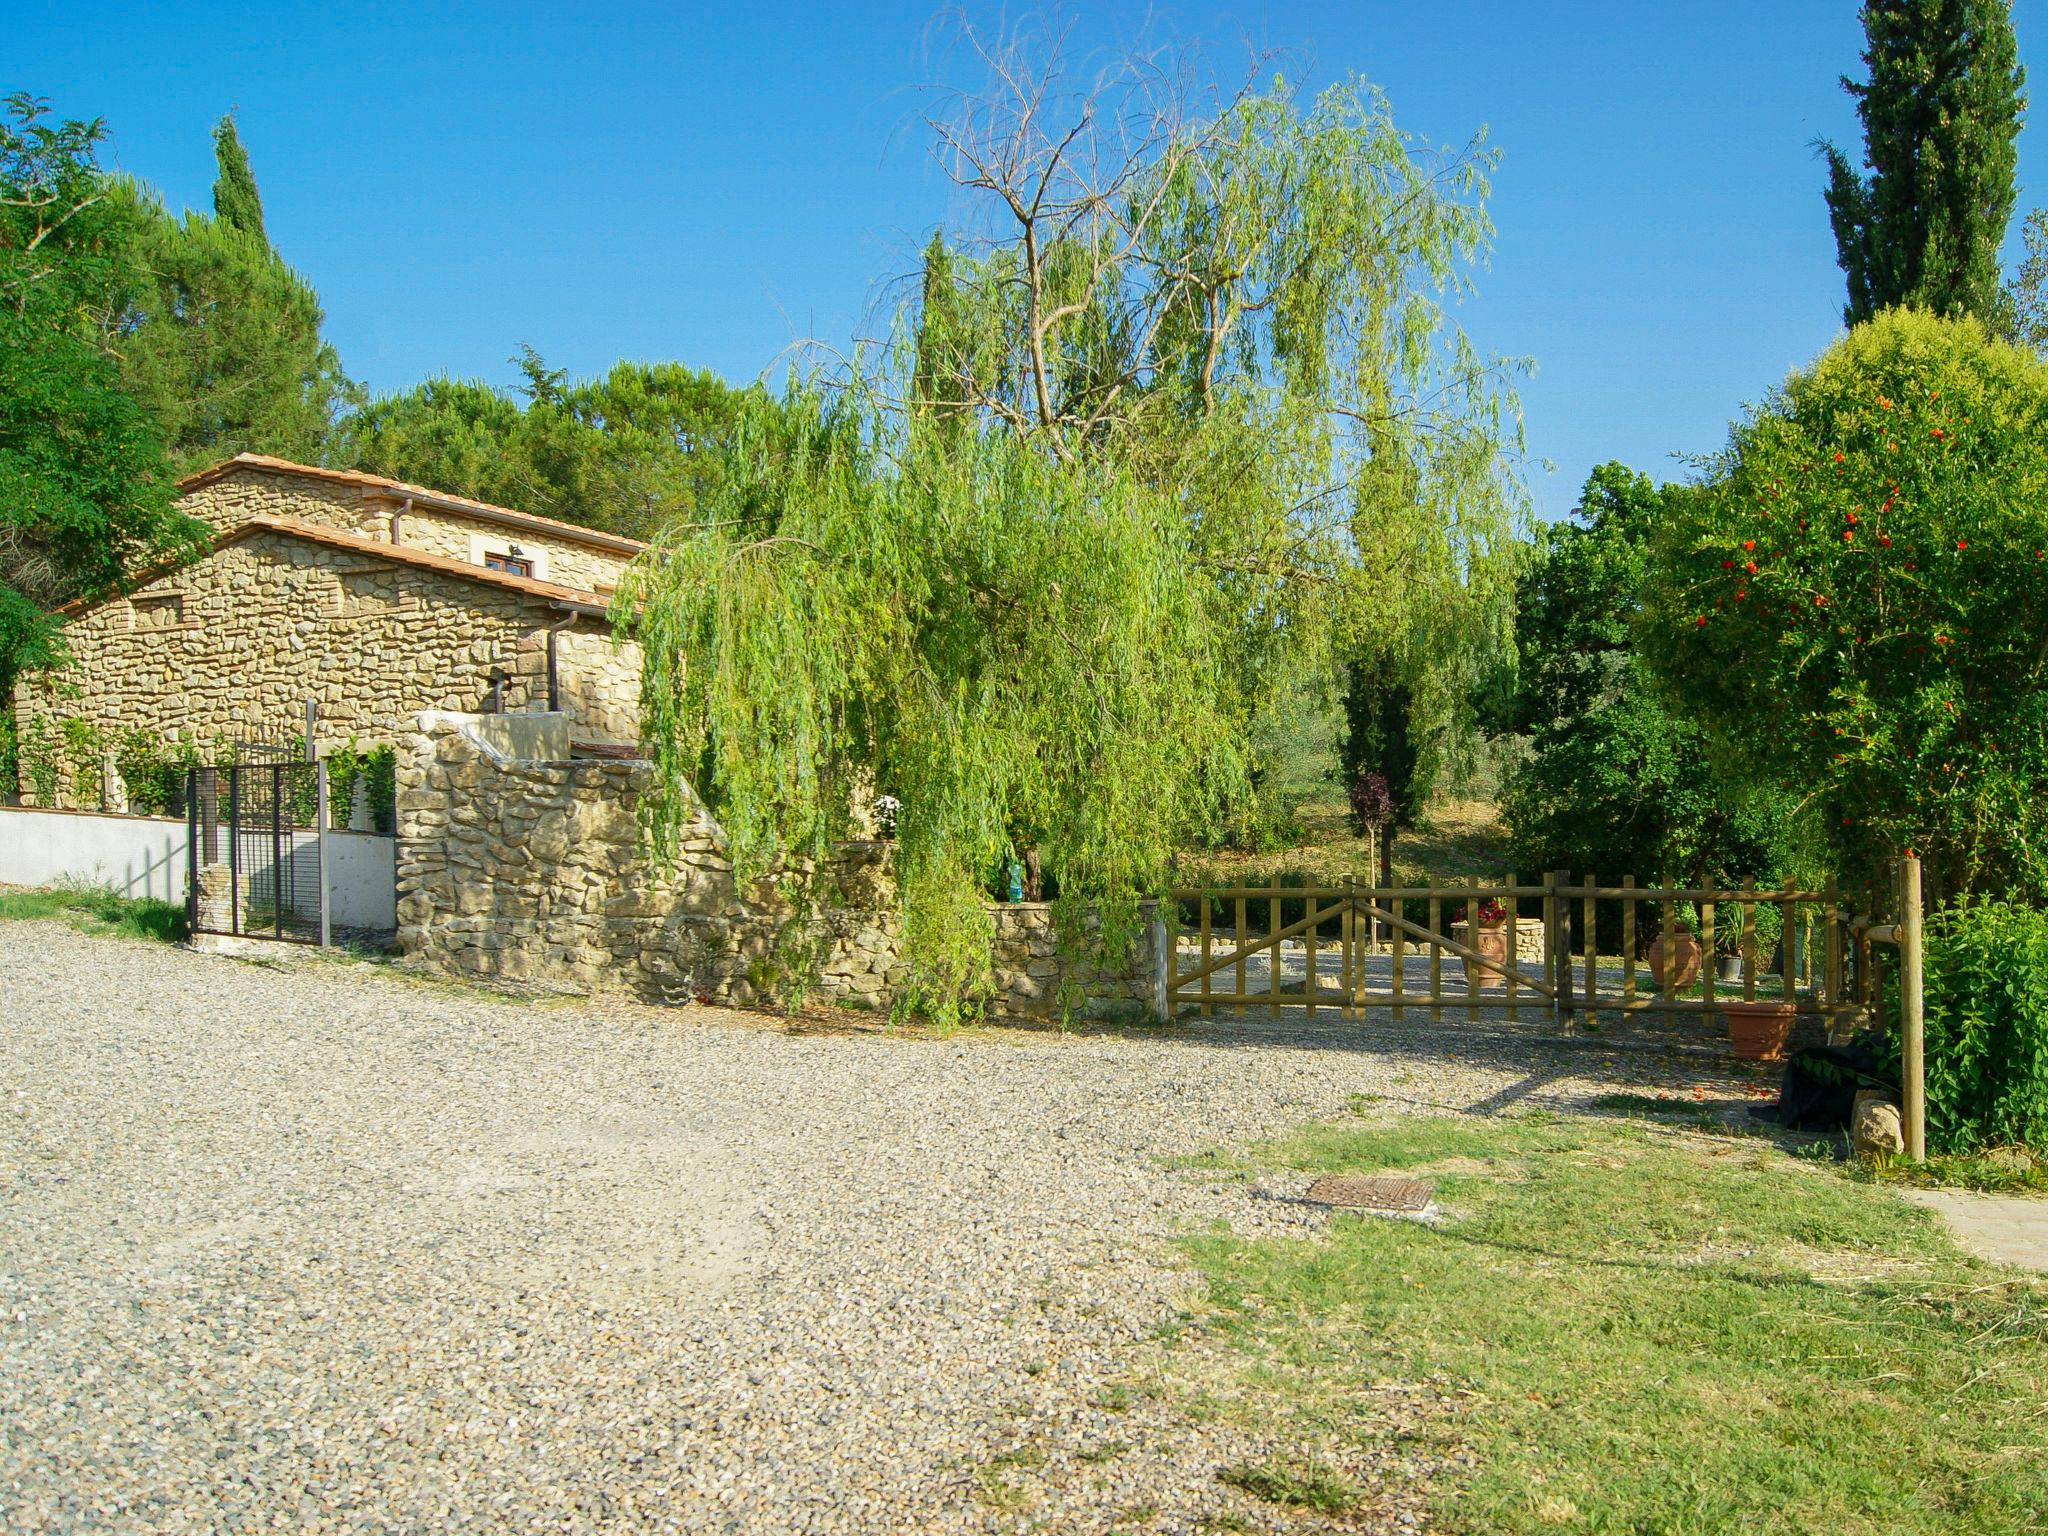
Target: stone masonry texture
(539,874)
(236,642)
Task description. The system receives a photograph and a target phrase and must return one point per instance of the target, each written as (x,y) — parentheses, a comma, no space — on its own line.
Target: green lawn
(98,911)
(1652,1330)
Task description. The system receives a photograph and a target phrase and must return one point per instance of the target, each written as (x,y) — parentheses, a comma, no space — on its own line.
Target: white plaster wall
(146,856)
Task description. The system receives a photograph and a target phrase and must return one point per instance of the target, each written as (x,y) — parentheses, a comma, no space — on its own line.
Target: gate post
(320,862)
(1912,1022)
(191,851)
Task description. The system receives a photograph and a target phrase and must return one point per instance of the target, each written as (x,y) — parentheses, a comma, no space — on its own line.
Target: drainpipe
(554,671)
(397,512)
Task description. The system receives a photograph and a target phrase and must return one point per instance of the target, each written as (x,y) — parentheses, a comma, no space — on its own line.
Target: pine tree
(219,338)
(236,202)
(1941,113)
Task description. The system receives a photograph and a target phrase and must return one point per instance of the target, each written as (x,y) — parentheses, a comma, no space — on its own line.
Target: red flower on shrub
(1749,566)
(1749,544)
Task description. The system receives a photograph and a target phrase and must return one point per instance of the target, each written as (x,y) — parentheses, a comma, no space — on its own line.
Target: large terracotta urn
(1490,940)
(1678,953)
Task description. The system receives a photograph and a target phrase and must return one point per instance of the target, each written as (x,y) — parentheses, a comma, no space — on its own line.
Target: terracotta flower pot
(1758,1031)
(1683,951)
(1491,940)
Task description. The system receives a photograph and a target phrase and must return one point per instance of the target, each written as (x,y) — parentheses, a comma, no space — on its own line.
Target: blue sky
(711,183)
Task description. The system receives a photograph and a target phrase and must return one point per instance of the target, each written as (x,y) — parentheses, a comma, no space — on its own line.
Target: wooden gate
(1355,947)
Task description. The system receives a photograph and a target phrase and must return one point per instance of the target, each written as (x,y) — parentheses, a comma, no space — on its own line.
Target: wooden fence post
(1556,946)
(1912,1023)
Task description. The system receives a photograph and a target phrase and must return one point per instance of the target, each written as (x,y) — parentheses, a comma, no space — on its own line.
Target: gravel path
(324,1248)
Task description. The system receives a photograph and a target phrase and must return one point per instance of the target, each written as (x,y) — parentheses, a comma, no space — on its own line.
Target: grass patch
(1998,1171)
(1301,1484)
(98,911)
(1454,839)
(1653,1332)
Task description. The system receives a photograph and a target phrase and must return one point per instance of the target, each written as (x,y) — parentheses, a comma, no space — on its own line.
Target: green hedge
(1987,1026)
(376,768)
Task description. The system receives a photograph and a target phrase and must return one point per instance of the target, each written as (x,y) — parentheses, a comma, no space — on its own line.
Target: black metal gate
(254,840)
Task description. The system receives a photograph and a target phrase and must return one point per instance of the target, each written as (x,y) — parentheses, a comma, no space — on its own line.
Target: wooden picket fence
(1826,952)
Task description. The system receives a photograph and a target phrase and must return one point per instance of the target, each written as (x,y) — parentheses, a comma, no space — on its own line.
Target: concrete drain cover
(1364,1193)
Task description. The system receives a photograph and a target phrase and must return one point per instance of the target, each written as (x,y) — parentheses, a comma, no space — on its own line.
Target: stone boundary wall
(536,873)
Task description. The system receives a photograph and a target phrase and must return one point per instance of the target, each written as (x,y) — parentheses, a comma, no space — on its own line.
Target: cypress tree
(1941,113)
(236,202)
(1380,733)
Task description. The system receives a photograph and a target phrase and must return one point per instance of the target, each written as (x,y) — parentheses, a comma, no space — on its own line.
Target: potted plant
(1758,1031)
(1675,951)
(1486,931)
(1733,958)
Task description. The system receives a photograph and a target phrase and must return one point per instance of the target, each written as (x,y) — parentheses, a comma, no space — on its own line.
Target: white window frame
(483,544)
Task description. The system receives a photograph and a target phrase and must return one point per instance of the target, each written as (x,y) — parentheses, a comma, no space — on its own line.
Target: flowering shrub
(1854,601)
(1489,912)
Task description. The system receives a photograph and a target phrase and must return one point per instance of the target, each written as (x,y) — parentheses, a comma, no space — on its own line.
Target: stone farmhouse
(474,641)
(375,599)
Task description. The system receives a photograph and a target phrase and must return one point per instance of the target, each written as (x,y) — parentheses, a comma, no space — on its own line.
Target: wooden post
(1471,970)
(1436,953)
(1628,944)
(1709,961)
(1398,954)
(1748,941)
(1273,950)
(1669,936)
(1587,916)
(1308,949)
(1831,952)
(1514,976)
(1244,985)
(1345,929)
(1556,946)
(1208,1008)
(1912,1023)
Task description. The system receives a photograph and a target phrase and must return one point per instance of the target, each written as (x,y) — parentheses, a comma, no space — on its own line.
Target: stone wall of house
(237,642)
(439,531)
(243,493)
(537,873)
(599,683)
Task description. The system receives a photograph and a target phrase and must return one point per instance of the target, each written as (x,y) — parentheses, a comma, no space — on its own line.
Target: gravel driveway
(323,1247)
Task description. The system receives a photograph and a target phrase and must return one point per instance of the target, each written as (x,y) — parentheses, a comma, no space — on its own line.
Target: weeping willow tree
(1175,411)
